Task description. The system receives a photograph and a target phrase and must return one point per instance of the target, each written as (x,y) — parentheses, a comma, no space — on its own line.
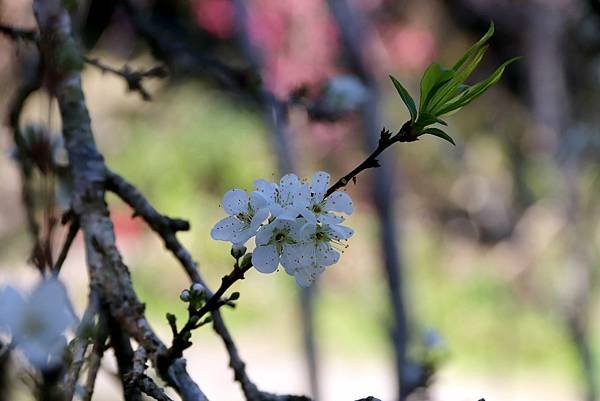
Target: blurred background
(474,269)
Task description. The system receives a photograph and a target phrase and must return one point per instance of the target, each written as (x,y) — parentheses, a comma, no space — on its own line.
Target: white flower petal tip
(339,202)
(265,259)
(235,201)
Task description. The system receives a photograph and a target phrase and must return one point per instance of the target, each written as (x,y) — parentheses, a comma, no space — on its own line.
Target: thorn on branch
(384,136)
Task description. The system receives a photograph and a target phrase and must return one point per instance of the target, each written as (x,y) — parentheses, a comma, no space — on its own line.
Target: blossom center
(245,217)
(32,325)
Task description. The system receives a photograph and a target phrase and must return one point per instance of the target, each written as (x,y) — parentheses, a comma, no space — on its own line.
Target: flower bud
(197,289)
(194,319)
(234,296)
(185,296)
(237,251)
(171,318)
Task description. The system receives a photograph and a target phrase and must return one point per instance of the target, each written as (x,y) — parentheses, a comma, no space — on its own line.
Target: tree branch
(108,274)
(133,78)
(28,35)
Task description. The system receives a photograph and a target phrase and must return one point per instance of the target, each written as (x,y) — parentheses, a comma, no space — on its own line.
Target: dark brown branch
(133,78)
(385,141)
(71,234)
(28,35)
(183,57)
(137,379)
(31,82)
(180,343)
(108,274)
(79,345)
(95,359)
(162,225)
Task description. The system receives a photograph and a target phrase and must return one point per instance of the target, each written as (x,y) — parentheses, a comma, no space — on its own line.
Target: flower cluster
(294,222)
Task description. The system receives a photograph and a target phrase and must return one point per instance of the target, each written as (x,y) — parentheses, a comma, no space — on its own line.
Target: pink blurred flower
(410,47)
(297,39)
(215,16)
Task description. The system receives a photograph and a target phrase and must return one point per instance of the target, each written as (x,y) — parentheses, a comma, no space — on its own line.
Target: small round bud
(185,296)
(237,251)
(246,262)
(194,319)
(197,289)
(207,320)
(234,296)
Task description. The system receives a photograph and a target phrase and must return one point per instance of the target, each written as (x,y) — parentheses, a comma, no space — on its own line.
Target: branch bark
(108,274)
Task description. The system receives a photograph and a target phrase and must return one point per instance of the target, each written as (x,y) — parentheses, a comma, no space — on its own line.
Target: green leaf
(475,48)
(433,77)
(427,119)
(476,90)
(452,89)
(439,133)
(406,98)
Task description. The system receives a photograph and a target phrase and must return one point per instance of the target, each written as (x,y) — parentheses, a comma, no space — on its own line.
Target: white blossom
(275,242)
(246,214)
(319,247)
(320,208)
(295,225)
(288,199)
(36,323)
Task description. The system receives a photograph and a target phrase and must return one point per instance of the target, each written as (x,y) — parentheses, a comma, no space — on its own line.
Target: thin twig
(133,78)
(167,230)
(71,234)
(31,82)
(386,140)
(95,359)
(79,344)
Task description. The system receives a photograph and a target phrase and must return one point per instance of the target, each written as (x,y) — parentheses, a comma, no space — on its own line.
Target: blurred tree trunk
(354,34)
(551,106)
(276,116)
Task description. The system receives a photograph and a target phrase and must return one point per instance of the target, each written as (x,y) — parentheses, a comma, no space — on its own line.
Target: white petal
(326,255)
(50,304)
(297,256)
(226,228)
(288,181)
(11,306)
(239,238)
(318,186)
(258,200)
(301,196)
(260,216)
(339,202)
(330,219)
(264,235)
(267,189)
(288,213)
(308,229)
(309,216)
(35,352)
(303,279)
(265,258)
(338,232)
(295,229)
(235,201)
(276,210)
